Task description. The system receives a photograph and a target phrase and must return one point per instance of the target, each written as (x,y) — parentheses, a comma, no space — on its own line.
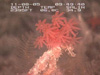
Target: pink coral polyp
(58,33)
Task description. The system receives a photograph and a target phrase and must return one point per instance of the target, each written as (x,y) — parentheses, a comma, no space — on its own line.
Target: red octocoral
(59,32)
(94,22)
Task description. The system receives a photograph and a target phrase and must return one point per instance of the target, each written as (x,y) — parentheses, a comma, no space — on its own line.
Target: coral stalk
(46,64)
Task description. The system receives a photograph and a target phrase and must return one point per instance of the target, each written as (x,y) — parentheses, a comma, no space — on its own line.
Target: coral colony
(94,22)
(60,35)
